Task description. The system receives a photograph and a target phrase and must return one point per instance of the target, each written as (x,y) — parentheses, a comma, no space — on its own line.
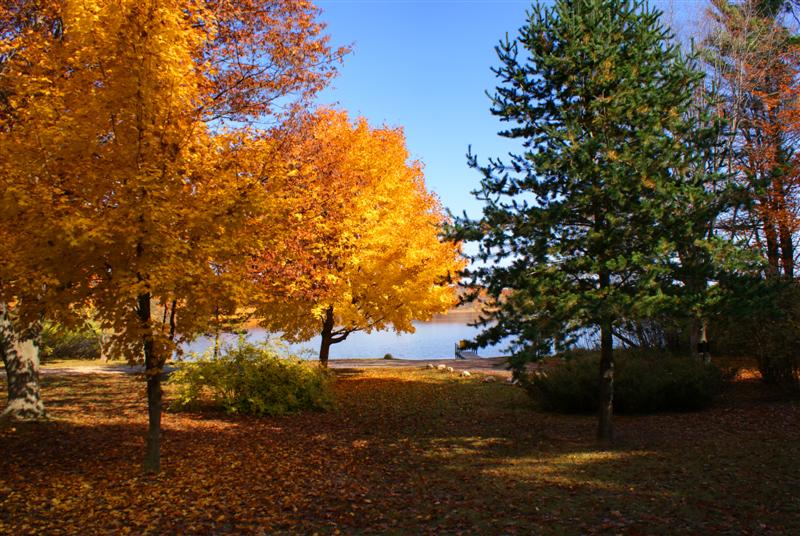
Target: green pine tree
(588,224)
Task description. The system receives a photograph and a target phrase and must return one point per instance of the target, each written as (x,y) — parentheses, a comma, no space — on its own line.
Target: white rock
(465,373)
(440,367)
(430,366)
(450,369)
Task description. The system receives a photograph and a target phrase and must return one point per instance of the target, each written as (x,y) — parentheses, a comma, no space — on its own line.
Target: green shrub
(775,341)
(252,379)
(764,324)
(58,342)
(642,385)
(569,388)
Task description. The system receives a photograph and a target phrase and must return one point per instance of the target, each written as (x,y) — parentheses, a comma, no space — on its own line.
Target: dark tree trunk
(605,431)
(773,257)
(20,353)
(787,251)
(153,365)
(326,337)
(696,286)
(705,354)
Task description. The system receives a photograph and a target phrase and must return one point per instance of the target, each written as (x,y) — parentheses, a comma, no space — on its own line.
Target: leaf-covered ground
(406,452)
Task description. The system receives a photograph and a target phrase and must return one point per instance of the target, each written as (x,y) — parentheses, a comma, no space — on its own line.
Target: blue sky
(424,65)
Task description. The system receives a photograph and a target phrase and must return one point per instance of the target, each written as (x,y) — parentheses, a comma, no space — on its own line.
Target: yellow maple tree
(363,252)
(121,128)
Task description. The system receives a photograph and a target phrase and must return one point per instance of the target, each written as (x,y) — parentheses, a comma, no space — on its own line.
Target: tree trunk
(153,365)
(20,354)
(773,257)
(105,350)
(705,354)
(787,251)
(217,329)
(605,431)
(699,340)
(326,337)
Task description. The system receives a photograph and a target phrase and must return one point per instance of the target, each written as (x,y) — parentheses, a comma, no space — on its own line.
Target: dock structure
(462,352)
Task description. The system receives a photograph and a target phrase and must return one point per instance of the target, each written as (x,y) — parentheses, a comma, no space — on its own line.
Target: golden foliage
(364,237)
(119,179)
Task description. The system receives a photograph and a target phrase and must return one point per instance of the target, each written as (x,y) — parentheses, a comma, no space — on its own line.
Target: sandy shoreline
(493,365)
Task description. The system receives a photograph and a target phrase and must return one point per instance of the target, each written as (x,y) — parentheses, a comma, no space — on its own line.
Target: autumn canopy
(159,166)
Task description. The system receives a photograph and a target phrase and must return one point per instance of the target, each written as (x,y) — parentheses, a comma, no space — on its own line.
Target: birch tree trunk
(20,354)
(105,348)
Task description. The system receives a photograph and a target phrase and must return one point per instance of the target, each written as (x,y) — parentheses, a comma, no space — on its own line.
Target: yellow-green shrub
(58,342)
(252,379)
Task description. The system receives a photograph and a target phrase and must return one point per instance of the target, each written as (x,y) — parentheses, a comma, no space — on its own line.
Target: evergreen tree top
(586,222)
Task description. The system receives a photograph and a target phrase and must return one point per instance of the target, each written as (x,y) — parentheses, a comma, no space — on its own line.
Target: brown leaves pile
(404,452)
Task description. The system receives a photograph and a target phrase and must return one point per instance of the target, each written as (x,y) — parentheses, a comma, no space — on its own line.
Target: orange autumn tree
(363,252)
(755,62)
(120,164)
(769,159)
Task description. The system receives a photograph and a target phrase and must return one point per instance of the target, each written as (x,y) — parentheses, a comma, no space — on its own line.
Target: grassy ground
(406,452)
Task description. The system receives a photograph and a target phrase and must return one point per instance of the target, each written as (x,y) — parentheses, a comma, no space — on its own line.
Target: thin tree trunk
(20,354)
(605,430)
(216,332)
(326,337)
(153,365)
(705,354)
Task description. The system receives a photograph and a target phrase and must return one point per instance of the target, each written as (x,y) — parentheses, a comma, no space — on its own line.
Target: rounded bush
(251,379)
(58,342)
(641,385)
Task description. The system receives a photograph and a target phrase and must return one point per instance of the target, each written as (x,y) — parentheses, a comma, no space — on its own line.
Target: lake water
(431,340)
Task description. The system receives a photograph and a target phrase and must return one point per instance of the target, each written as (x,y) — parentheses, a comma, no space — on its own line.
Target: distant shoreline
(456,315)
(485,365)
